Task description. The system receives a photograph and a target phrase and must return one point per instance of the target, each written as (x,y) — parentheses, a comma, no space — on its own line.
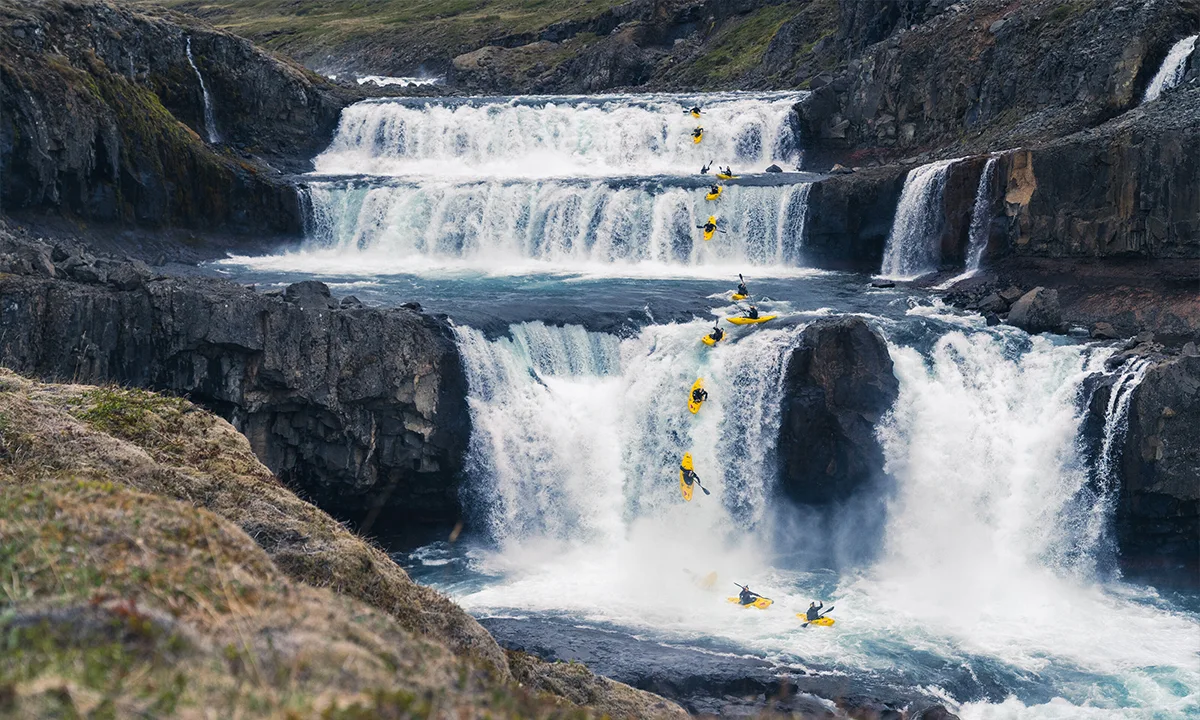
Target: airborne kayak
(684,488)
(714,196)
(822,621)
(761,603)
(751,321)
(708,234)
(723,176)
(692,404)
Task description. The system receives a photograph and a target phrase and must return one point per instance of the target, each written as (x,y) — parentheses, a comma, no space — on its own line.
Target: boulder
(774,169)
(839,382)
(310,295)
(1037,311)
(1104,331)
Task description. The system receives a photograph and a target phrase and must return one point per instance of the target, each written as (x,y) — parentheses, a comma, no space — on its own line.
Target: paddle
(823,612)
(706,492)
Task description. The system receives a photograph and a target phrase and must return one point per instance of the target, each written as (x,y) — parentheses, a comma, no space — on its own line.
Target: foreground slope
(153,566)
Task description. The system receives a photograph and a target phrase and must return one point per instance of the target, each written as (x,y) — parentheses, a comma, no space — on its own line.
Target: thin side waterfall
(210,120)
(981,216)
(1171,72)
(1116,425)
(913,246)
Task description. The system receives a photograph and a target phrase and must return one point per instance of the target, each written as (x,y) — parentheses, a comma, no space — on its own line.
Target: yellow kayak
(723,176)
(684,488)
(708,340)
(738,296)
(714,196)
(708,234)
(696,138)
(695,114)
(761,603)
(751,321)
(692,404)
(823,622)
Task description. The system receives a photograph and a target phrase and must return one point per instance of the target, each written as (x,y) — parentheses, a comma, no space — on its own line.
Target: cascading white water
(210,120)
(575,434)
(988,552)
(1171,71)
(562,136)
(499,223)
(981,216)
(913,246)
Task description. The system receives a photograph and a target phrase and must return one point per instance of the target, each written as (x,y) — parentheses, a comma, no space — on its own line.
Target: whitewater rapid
(990,550)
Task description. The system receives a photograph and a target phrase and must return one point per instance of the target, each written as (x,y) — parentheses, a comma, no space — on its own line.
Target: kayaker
(699,395)
(716,334)
(726,171)
(714,189)
(746,597)
(742,286)
(814,611)
(695,110)
(752,313)
(708,227)
(704,170)
(697,132)
(689,476)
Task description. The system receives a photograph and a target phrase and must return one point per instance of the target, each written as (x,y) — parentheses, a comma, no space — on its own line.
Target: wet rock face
(1158,513)
(1031,70)
(839,383)
(362,411)
(103,117)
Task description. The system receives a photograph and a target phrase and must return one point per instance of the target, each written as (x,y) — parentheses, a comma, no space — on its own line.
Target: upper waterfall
(563,136)
(1171,71)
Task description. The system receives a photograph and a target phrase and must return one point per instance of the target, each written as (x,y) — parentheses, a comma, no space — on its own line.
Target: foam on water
(561,136)
(989,556)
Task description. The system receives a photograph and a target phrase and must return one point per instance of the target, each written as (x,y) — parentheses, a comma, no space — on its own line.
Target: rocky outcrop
(1158,511)
(1128,189)
(838,384)
(102,116)
(991,73)
(849,217)
(362,411)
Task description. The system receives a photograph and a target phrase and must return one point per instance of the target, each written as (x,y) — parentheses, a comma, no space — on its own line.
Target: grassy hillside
(150,566)
(397,33)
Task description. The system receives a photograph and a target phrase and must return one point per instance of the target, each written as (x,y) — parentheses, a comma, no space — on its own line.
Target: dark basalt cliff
(985,75)
(362,411)
(838,384)
(1158,514)
(102,117)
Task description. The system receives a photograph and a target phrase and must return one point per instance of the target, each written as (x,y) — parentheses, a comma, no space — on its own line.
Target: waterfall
(914,245)
(984,446)
(561,136)
(1171,72)
(574,223)
(578,435)
(981,216)
(210,121)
